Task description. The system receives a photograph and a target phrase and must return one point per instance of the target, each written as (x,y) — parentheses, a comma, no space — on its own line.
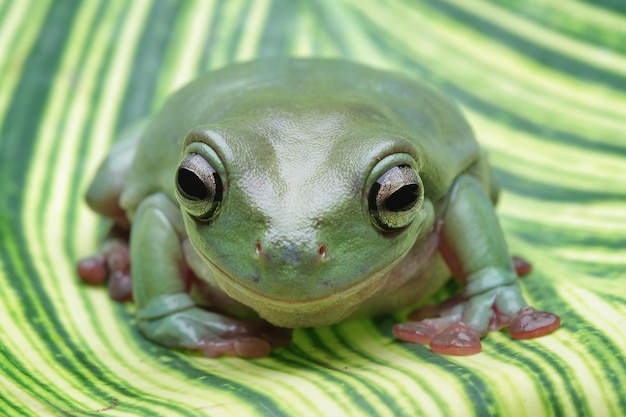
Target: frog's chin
(312,312)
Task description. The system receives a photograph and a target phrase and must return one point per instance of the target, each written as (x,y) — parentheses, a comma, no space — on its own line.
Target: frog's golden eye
(198,187)
(395,198)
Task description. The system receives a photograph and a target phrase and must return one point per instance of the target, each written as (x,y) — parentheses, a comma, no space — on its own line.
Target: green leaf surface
(542,82)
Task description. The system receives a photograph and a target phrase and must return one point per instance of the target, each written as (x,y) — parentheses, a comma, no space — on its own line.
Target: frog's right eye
(199,187)
(395,198)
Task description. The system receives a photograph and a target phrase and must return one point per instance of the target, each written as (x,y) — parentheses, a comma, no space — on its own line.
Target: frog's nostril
(321,251)
(290,253)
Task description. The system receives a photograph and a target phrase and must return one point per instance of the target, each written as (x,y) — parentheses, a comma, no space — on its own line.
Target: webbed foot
(448,333)
(214,334)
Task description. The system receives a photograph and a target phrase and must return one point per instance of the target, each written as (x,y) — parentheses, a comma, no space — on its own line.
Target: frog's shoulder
(445,141)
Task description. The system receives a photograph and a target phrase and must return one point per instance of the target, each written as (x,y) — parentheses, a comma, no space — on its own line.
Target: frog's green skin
(298,145)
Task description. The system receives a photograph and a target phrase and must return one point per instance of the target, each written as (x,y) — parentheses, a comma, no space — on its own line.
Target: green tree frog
(290,193)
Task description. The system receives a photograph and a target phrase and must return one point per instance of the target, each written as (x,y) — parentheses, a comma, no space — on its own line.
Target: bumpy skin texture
(306,192)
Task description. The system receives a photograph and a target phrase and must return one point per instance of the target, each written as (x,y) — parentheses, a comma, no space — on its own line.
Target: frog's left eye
(395,198)
(198,187)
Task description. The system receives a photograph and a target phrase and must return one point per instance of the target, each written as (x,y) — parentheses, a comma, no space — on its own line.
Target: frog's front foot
(213,334)
(111,265)
(456,326)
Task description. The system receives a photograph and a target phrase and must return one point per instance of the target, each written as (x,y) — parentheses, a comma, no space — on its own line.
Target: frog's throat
(312,312)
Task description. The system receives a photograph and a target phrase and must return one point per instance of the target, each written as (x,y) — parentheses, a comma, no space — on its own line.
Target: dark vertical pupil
(403,199)
(191,185)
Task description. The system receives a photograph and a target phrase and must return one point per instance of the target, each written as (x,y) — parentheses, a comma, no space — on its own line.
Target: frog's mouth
(310,312)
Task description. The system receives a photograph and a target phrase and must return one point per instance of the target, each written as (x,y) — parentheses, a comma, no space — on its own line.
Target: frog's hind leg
(103,194)
(112,263)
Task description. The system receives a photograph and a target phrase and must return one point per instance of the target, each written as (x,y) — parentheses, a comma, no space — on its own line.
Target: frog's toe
(117,254)
(112,265)
(443,336)
(529,323)
(458,339)
(421,332)
(242,347)
(92,270)
(120,286)
(251,332)
(522,266)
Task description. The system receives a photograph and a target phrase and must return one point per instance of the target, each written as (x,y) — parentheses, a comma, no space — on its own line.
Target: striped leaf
(542,82)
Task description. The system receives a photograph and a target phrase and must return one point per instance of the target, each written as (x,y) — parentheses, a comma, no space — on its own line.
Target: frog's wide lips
(328,309)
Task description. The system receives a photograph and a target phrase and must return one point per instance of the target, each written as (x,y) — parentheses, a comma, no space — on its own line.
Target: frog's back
(433,123)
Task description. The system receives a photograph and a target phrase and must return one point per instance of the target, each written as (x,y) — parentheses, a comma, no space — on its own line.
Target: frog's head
(301,218)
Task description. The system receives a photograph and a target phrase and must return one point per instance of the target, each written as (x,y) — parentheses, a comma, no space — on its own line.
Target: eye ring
(395,198)
(199,187)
